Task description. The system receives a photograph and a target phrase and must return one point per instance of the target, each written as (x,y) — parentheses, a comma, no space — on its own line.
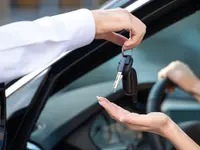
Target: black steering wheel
(154,101)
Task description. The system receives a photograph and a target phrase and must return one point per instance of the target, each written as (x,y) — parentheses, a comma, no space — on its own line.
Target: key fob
(129,77)
(130,83)
(128,65)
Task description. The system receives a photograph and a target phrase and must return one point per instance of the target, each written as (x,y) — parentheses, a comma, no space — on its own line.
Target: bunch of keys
(128,76)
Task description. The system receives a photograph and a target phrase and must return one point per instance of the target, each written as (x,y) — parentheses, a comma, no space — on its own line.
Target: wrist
(96,16)
(178,137)
(109,20)
(168,128)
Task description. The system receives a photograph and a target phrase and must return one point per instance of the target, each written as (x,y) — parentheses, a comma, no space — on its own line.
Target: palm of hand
(152,122)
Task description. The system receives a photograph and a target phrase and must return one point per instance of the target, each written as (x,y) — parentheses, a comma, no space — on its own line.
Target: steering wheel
(154,101)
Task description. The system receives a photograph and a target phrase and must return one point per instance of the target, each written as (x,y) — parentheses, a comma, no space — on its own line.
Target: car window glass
(22,97)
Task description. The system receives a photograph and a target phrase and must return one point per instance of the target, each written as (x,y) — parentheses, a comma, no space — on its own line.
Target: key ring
(122,52)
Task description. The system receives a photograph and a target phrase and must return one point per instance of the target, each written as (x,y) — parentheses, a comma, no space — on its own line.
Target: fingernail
(101,103)
(99,98)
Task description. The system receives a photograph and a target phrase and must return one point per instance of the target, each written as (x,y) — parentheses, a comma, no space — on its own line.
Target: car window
(23,96)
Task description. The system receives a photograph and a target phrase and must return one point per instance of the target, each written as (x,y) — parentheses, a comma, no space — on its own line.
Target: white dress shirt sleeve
(29,45)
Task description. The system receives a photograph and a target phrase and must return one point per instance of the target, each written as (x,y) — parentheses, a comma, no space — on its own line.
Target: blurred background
(16,10)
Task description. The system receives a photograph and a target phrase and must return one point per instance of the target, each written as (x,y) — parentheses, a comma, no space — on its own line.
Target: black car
(55,108)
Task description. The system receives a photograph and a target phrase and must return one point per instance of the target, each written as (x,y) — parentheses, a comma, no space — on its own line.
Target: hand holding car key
(127,74)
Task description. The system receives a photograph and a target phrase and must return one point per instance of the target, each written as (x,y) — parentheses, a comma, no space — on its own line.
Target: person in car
(28,45)
(158,122)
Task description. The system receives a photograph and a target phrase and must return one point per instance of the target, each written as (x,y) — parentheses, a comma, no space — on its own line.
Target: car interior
(72,119)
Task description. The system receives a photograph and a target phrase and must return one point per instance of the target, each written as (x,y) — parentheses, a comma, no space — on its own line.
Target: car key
(119,73)
(122,70)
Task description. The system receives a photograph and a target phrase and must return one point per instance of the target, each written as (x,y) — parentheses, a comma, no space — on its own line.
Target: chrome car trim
(109,3)
(136,5)
(31,146)
(32,76)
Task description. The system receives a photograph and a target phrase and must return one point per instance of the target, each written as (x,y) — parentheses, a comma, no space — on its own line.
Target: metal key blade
(119,73)
(118,78)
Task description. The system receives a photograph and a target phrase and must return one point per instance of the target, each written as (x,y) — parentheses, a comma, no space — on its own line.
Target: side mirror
(3,130)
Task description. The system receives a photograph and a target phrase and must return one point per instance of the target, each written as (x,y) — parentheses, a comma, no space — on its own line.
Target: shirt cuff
(79,28)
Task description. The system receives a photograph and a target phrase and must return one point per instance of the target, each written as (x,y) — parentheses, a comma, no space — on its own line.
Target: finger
(117,113)
(133,42)
(102,99)
(124,111)
(112,109)
(115,38)
(166,72)
(162,73)
(135,37)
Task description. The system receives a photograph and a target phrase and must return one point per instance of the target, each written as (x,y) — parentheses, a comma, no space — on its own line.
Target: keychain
(128,76)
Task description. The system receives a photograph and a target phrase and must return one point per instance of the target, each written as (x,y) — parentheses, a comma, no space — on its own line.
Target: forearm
(179,138)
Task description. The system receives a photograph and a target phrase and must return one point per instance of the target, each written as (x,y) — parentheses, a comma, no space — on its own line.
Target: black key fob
(130,83)
(129,80)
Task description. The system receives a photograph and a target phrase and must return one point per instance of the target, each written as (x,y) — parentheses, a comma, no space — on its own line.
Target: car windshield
(17,10)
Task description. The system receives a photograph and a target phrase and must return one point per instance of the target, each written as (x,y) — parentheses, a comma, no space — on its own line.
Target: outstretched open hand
(153,122)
